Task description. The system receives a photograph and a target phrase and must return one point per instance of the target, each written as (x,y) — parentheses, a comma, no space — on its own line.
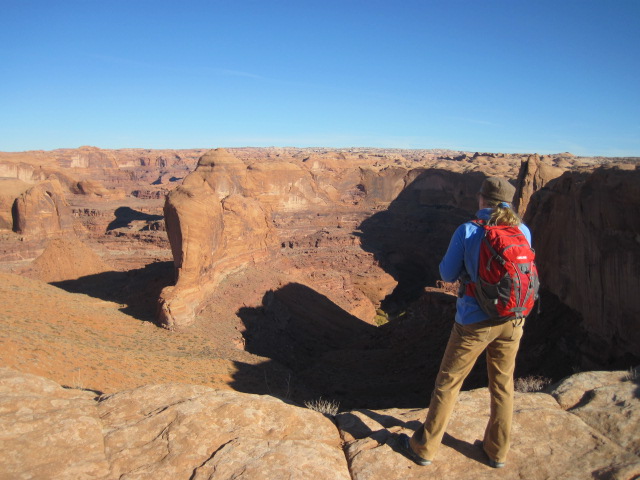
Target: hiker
(472,333)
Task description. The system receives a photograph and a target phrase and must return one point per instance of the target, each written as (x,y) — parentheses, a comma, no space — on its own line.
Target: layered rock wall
(213,230)
(586,229)
(232,211)
(534,174)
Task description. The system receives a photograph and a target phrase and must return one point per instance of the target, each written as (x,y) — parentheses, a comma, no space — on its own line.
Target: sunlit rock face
(315,210)
(534,174)
(213,230)
(180,431)
(42,210)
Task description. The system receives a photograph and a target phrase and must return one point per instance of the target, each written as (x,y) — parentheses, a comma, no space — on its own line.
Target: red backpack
(508,283)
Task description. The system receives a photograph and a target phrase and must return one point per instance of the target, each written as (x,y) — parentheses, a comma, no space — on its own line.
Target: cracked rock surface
(180,431)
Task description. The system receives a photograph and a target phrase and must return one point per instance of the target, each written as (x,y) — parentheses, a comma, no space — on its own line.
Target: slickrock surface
(548,442)
(47,431)
(178,431)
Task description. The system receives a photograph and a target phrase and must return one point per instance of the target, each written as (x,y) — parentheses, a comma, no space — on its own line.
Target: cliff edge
(179,431)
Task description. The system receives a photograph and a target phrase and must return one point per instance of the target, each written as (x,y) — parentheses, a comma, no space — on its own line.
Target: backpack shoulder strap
(479,222)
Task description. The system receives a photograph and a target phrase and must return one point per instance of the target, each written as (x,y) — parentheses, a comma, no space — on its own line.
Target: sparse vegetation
(632,375)
(531,384)
(381,317)
(77,382)
(327,407)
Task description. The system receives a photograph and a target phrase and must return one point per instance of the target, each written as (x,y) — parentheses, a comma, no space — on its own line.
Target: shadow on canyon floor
(332,354)
(136,290)
(411,236)
(316,349)
(328,353)
(126,215)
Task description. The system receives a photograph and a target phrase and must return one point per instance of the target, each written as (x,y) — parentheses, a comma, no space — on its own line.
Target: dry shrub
(632,375)
(531,384)
(381,317)
(327,407)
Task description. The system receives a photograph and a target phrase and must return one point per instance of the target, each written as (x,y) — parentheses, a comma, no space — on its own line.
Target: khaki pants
(466,343)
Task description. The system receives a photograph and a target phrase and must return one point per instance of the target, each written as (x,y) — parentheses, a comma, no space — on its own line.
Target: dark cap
(498,189)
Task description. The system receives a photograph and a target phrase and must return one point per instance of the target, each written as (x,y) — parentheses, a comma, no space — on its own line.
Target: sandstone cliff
(179,431)
(213,229)
(534,174)
(291,204)
(586,228)
(42,210)
(10,189)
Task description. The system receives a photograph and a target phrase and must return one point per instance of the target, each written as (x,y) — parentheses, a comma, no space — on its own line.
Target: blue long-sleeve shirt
(463,255)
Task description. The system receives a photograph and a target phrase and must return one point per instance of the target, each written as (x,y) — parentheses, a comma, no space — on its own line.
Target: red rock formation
(213,230)
(534,174)
(93,187)
(586,229)
(10,189)
(300,199)
(42,210)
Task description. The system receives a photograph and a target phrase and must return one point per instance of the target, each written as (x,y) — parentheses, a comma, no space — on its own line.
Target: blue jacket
(462,255)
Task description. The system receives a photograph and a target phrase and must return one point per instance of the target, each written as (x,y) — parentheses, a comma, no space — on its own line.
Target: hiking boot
(492,463)
(405,447)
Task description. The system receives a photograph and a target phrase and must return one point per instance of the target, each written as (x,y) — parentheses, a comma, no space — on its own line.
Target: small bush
(531,384)
(632,375)
(327,407)
(381,317)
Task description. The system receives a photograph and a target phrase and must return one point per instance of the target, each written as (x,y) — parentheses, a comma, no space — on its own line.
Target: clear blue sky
(479,75)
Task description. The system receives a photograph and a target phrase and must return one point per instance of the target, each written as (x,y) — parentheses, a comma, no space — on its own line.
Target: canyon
(297,274)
